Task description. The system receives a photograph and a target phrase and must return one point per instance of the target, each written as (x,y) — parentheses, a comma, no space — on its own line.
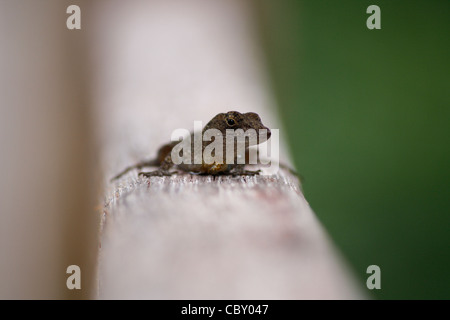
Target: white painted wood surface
(159,66)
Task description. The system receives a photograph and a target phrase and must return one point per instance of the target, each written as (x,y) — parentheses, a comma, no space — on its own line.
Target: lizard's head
(236,120)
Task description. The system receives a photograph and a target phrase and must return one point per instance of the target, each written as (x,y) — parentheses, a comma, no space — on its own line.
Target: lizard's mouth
(264,137)
(269,133)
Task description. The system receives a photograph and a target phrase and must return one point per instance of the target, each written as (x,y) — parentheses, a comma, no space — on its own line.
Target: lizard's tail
(140,165)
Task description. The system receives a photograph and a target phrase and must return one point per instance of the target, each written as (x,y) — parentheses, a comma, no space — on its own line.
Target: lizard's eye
(231,122)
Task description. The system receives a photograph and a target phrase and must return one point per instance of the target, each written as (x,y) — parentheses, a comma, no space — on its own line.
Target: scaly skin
(223,121)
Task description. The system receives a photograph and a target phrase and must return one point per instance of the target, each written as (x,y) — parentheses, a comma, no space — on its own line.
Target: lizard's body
(223,121)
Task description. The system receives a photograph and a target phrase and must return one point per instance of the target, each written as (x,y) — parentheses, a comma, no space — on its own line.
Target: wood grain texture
(158,68)
(194,237)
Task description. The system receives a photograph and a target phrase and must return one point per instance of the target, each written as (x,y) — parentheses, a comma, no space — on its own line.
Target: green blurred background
(367,114)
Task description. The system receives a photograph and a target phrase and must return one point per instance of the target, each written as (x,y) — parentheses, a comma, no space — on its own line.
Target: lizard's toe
(156,173)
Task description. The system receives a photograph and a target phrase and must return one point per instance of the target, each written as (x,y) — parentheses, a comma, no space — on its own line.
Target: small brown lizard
(223,121)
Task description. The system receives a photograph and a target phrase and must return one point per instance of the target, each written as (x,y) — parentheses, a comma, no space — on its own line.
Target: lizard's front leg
(239,170)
